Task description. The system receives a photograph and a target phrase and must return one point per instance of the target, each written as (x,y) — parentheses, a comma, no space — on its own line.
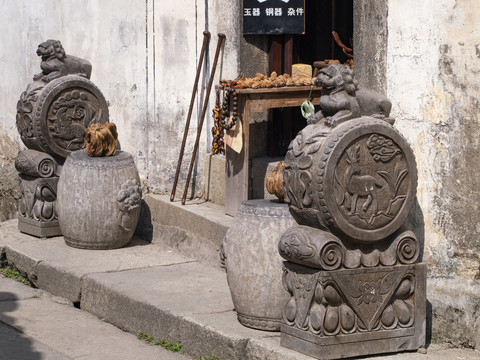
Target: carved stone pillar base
(38,174)
(354,312)
(38,228)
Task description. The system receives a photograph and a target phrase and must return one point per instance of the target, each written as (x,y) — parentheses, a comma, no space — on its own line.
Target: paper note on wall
(234,137)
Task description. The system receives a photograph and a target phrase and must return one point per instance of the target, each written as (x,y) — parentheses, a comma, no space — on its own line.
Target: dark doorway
(317,44)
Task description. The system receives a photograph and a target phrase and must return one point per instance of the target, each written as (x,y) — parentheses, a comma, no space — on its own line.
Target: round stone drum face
(70,112)
(54,117)
(363,180)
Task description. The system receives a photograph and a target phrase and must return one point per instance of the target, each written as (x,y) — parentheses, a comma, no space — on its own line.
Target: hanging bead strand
(230,98)
(218,146)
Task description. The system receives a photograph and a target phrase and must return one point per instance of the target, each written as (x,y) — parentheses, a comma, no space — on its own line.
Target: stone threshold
(150,287)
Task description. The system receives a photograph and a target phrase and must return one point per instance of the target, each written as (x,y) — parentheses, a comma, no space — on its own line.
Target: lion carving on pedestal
(342,99)
(56,63)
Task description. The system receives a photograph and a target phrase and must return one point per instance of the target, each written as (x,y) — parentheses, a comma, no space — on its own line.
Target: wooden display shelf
(256,101)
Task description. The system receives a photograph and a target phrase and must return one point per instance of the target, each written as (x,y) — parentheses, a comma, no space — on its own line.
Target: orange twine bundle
(101,139)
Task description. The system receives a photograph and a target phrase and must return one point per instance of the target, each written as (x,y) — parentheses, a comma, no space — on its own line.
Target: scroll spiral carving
(322,250)
(331,256)
(408,250)
(35,163)
(46,168)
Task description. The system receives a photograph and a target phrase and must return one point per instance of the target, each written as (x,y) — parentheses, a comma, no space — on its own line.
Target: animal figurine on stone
(342,99)
(358,185)
(56,63)
(101,139)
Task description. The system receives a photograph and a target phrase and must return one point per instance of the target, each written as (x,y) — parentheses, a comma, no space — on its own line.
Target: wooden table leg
(237,165)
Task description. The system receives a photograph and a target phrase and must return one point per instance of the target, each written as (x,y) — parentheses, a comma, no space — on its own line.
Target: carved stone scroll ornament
(37,164)
(322,250)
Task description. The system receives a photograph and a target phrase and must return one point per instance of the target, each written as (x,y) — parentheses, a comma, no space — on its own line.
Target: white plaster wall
(110,34)
(144,55)
(176,35)
(433,78)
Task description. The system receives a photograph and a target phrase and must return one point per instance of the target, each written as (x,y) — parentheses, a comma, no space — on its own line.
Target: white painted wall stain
(432,67)
(144,55)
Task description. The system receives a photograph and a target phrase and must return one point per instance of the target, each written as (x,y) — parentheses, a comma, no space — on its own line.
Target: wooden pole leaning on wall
(206,38)
(221,38)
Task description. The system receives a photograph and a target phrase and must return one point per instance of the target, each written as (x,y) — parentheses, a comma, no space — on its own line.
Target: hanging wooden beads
(229,95)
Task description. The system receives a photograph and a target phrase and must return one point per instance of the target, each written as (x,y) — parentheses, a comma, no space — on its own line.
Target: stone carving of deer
(360,185)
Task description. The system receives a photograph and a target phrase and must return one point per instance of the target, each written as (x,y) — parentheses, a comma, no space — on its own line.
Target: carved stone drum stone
(53,114)
(357,180)
(98,200)
(254,267)
(353,270)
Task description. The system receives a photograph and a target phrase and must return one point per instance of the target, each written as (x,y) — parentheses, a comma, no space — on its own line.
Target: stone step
(151,288)
(195,229)
(144,287)
(37,325)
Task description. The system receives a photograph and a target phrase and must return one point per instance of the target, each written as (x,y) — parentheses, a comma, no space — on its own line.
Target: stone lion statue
(56,63)
(342,99)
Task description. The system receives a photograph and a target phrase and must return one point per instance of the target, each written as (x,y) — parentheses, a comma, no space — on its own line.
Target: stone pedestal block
(354,312)
(38,228)
(254,267)
(37,213)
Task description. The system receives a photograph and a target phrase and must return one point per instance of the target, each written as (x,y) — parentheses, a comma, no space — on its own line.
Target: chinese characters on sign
(273,17)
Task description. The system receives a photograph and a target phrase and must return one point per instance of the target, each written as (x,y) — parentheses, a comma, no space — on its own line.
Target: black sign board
(273,17)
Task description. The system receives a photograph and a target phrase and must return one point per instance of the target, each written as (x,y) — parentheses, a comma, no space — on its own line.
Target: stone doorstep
(195,229)
(34,324)
(150,288)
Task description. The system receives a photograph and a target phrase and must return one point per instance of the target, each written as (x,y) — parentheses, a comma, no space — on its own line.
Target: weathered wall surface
(144,55)
(432,78)
(9,181)
(370,43)
(176,35)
